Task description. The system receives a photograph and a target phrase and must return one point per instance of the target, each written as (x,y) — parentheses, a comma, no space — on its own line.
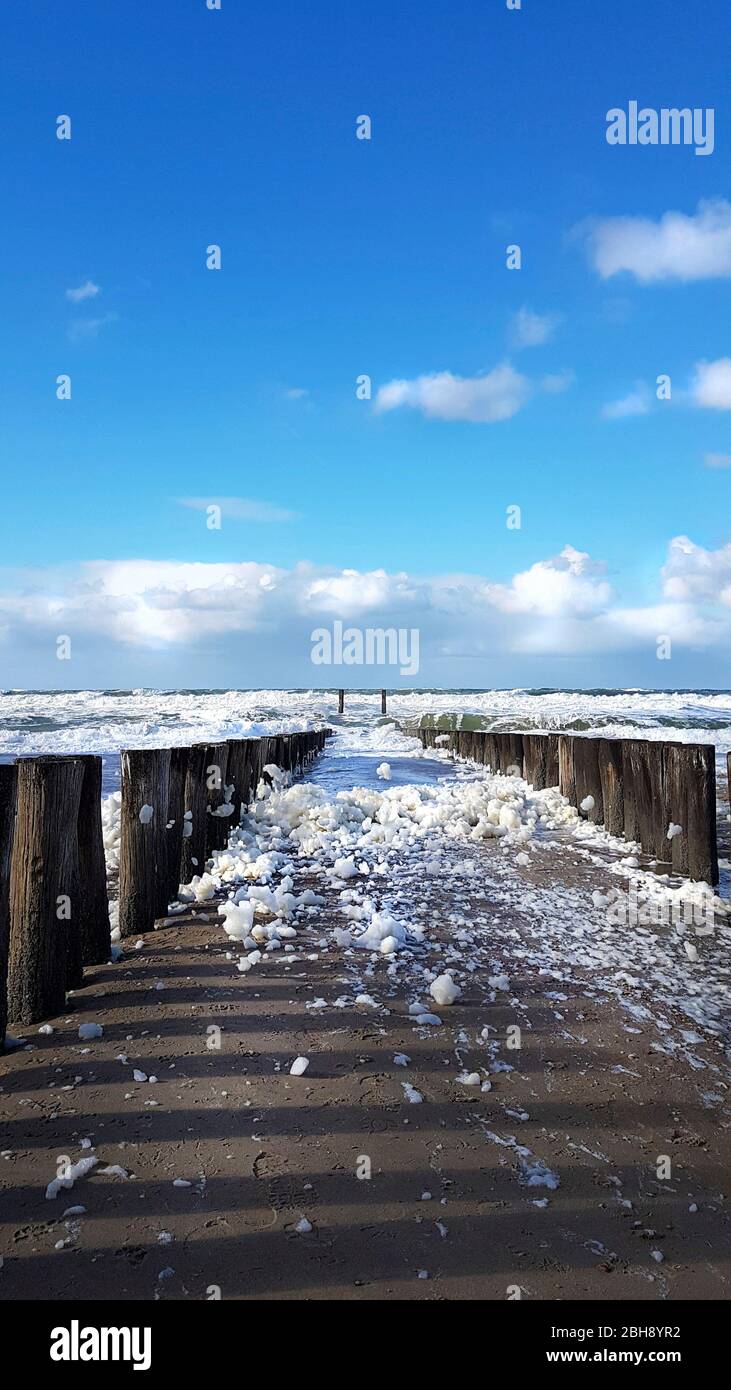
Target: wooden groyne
(661,795)
(178,805)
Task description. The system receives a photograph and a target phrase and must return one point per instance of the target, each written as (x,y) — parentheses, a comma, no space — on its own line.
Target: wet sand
(590,1097)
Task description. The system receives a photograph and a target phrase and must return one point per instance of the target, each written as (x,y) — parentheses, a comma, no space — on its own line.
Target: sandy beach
(591,1162)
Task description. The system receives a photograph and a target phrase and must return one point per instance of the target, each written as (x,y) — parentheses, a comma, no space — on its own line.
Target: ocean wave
(108,720)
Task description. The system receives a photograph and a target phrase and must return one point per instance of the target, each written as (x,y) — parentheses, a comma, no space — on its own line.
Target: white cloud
(239,508)
(484,399)
(561,606)
(568,584)
(717,460)
(711,388)
(636,403)
(296,393)
(85,330)
(532,330)
(694,575)
(675,247)
(86,291)
(556,382)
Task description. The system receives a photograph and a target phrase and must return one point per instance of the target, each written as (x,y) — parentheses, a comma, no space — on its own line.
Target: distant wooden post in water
(341,701)
(383,702)
(8,800)
(44,887)
(143,864)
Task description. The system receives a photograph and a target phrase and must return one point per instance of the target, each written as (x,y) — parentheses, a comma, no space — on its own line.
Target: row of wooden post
(636,788)
(341,702)
(203,790)
(54,908)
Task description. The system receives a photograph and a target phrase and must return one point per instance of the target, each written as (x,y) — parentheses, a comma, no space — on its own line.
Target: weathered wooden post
(479,745)
(644,796)
(267,757)
(217,826)
(237,776)
(143,860)
(513,755)
(288,752)
(8,801)
(534,761)
(175,822)
(251,769)
(341,701)
(193,858)
(611,774)
(492,753)
(383,702)
(690,803)
(588,779)
(552,771)
(294,751)
(257,762)
(566,772)
(507,749)
(94,912)
(44,887)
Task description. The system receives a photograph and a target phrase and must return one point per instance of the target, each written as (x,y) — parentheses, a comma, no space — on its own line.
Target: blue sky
(342,257)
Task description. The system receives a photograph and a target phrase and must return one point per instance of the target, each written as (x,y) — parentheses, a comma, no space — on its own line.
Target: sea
(106,721)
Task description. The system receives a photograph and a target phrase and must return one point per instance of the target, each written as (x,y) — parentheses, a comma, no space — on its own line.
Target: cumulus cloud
(636,403)
(569,583)
(483,399)
(239,508)
(711,388)
(558,606)
(532,330)
(692,574)
(676,246)
(86,291)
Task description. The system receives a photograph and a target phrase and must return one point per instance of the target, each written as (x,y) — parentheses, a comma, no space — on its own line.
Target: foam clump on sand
(71,1173)
(411,1094)
(87,1031)
(444,991)
(112,829)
